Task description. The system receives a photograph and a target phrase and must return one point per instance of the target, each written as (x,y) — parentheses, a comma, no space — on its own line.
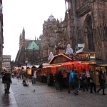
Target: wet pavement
(7,100)
(40,95)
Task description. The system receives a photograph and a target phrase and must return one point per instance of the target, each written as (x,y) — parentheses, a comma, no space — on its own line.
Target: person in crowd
(92,82)
(34,77)
(80,81)
(84,81)
(92,85)
(71,79)
(59,79)
(12,74)
(76,82)
(101,82)
(22,74)
(6,80)
(24,80)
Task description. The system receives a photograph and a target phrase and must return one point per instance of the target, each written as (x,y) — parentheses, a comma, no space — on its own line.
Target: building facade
(54,36)
(87,23)
(1,34)
(6,63)
(28,52)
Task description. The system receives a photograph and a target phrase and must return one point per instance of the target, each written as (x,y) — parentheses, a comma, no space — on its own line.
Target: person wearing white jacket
(34,77)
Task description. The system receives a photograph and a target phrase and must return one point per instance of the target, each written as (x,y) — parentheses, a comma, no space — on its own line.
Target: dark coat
(6,78)
(102,80)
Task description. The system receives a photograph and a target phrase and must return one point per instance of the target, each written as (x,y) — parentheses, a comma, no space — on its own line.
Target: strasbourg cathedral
(85,22)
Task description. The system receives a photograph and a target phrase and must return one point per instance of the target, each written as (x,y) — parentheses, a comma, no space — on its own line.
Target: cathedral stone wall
(91,25)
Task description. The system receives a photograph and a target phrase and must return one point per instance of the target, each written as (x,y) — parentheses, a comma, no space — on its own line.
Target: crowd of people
(20,74)
(77,81)
(81,81)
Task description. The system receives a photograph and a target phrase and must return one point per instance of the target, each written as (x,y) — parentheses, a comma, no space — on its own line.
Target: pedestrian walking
(34,77)
(92,82)
(101,82)
(6,80)
(80,81)
(76,82)
(24,81)
(84,81)
(71,80)
(92,85)
(59,80)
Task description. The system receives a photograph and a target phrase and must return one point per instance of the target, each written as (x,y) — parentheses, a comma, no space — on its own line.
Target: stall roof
(60,58)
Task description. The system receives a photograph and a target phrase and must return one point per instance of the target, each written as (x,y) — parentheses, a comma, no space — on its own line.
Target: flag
(80,47)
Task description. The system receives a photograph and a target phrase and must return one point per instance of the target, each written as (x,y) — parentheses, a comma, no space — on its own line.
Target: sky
(27,14)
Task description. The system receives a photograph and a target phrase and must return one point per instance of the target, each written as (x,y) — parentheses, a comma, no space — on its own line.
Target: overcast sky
(27,14)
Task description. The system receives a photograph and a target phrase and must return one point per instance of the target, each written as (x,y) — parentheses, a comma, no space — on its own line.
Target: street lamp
(33,61)
(26,62)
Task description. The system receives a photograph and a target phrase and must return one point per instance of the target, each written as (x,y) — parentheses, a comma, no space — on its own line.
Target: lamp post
(26,62)
(33,61)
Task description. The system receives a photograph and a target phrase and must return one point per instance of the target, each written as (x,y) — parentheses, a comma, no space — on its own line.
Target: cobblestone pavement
(40,95)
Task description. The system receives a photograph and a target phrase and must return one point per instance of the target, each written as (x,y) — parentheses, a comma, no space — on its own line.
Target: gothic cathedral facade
(87,23)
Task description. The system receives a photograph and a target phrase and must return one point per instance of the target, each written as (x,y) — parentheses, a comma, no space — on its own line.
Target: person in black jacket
(76,82)
(102,82)
(92,85)
(84,81)
(59,79)
(6,80)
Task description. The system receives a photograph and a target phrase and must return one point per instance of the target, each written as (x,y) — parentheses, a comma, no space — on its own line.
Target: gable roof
(60,58)
(33,46)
